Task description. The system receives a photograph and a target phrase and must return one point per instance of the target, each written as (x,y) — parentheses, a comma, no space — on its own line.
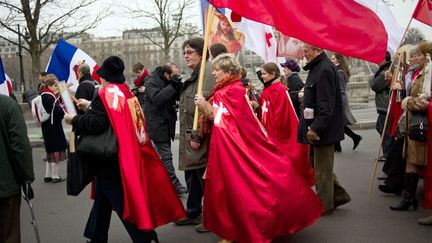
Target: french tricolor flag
(5,83)
(64,63)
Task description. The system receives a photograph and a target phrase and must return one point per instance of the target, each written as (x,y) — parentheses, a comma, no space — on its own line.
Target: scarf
(270,82)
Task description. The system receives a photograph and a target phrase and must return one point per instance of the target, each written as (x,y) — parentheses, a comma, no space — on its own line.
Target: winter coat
(348,116)
(53,134)
(295,84)
(416,151)
(381,88)
(95,121)
(86,88)
(16,162)
(188,158)
(322,94)
(159,107)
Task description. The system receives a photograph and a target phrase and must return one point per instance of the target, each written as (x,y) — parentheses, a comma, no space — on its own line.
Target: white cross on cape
(117,92)
(220,111)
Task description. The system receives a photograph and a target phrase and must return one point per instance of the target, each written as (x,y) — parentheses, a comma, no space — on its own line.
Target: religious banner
(222,31)
(289,47)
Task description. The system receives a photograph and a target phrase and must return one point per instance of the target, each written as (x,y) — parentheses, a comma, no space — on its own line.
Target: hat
(112,70)
(291,64)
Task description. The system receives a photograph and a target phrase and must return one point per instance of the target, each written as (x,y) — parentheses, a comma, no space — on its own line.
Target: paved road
(366,219)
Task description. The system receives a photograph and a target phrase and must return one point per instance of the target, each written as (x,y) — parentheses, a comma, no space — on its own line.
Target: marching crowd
(249,148)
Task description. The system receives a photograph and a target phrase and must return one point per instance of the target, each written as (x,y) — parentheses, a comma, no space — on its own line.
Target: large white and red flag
(348,27)
(423,12)
(252,35)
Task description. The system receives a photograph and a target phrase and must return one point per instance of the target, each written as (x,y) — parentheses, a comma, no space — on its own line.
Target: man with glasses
(193,148)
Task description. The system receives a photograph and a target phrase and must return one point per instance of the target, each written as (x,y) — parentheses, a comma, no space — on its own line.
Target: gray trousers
(327,185)
(164,152)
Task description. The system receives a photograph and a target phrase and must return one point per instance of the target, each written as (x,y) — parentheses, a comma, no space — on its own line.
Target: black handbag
(103,145)
(418,126)
(78,176)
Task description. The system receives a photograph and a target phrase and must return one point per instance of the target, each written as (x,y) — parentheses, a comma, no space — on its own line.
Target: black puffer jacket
(322,94)
(159,107)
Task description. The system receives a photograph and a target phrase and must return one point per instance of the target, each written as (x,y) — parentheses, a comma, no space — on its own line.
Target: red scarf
(150,199)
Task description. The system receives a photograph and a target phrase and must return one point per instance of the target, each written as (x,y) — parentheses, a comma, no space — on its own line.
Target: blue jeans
(195,185)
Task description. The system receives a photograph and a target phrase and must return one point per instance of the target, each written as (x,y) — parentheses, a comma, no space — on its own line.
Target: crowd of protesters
(296,125)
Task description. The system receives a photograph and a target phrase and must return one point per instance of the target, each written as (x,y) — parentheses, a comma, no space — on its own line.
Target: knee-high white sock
(48,171)
(55,169)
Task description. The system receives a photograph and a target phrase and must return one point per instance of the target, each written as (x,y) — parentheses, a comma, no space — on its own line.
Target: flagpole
(208,25)
(375,167)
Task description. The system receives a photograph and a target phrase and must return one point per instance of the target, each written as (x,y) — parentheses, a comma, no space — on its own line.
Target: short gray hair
(228,63)
(84,68)
(413,50)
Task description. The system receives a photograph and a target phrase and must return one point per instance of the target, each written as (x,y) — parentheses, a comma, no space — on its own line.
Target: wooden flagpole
(208,25)
(375,167)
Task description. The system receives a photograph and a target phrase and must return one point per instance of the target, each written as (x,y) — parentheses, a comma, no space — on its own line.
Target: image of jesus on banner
(223,32)
(138,118)
(289,47)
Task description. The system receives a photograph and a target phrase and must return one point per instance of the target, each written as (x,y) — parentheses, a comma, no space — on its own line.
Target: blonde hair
(50,80)
(228,63)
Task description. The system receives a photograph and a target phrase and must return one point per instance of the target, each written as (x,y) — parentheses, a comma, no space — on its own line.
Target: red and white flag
(343,26)
(423,12)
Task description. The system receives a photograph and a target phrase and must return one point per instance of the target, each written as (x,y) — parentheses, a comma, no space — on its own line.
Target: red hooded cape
(252,193)
(278,116)
(428,174)
(150,199)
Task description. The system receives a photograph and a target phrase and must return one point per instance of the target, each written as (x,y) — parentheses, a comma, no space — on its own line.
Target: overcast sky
(115,24)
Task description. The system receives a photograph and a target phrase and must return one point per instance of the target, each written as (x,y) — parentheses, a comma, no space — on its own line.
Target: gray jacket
(381,88)
(188,158)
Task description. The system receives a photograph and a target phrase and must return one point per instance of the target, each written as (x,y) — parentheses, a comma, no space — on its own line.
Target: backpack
(38,111)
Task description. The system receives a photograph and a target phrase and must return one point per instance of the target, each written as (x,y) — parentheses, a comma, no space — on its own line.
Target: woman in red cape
(133,183)
(252,193)
(277,114)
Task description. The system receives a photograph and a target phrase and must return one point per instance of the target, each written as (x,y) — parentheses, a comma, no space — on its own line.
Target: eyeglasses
(188,53)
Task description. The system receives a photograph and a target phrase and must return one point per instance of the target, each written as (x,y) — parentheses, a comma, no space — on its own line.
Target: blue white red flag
(5,83)
(64,63)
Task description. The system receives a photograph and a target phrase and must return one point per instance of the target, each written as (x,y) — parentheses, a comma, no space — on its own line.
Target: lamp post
(22,85)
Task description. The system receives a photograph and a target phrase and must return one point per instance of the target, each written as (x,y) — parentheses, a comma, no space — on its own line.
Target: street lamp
(22,85)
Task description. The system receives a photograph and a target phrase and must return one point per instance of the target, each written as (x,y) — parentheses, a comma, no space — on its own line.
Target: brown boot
(425,221)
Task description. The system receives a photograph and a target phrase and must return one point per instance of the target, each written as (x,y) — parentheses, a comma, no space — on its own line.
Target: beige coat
(415,151)
(188,158)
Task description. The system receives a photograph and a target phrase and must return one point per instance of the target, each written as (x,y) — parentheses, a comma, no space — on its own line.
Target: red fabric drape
(428,174)
(150,199)
(281,122)
(252,193)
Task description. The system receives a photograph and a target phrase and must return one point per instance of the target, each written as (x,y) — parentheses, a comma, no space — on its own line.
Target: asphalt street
(367,218)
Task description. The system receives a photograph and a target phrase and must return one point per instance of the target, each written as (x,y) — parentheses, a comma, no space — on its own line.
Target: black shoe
(57,180)
(388,189)
(406,205)
(337,148)
(357,141)
(47,179)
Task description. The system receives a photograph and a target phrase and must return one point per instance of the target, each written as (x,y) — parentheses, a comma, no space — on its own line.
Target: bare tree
(46,21)
(168,17)
(413,36)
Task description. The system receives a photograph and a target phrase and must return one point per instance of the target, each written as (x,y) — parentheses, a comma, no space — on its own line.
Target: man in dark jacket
(321,125)
(87,85)
(381,87)
(16,168)
(162,90)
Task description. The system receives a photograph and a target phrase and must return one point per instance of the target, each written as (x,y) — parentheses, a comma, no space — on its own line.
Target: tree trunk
(36,63)
(166,55)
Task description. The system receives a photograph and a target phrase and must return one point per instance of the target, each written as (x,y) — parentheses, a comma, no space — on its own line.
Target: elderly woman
(52,130)
(416,151)
(130,181)
(344,75)
(245,168)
